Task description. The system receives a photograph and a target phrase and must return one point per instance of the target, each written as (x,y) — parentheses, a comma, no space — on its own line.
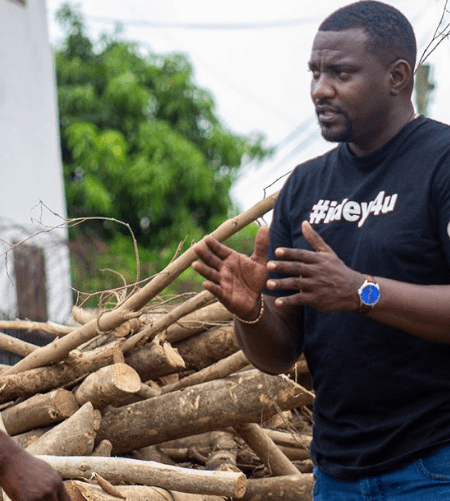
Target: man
(364,294)
(26,478)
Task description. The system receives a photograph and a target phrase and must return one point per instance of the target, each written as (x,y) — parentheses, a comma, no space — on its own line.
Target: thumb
(261,244)
(314,239)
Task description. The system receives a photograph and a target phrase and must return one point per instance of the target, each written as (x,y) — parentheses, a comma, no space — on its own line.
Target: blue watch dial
(370,294)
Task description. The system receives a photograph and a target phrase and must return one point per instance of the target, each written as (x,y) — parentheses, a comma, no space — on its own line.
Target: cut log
(220,369)
(107,385)
(39,410)
(246,397)
(132,471)
(289,488)
(73,437)
(155,359)
(208,347)
(81,491)
(59,349)
(198,321)
(47,378)
(266,450)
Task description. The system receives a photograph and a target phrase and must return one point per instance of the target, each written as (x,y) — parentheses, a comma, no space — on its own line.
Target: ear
(400,76)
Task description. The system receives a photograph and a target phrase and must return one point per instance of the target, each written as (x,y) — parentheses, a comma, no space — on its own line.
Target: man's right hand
(234,278)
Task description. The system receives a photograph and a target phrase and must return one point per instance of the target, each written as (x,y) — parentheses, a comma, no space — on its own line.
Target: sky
(252,55)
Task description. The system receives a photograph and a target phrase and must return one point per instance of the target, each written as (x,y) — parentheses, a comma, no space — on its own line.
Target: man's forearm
(421,310)
(272,344)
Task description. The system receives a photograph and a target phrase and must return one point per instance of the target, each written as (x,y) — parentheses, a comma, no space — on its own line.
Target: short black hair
(391,36)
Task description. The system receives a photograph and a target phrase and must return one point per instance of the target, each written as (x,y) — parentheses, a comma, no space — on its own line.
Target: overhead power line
(142,23)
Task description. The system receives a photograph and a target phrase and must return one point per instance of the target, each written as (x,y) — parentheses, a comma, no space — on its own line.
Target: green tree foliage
(142,144)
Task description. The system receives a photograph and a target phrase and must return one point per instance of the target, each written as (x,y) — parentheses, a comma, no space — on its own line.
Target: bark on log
(208,347)
(245,397)
(197,322)
(42,327)
(155,359)
(266,449)
(289,488)
(220,369)
(14,345)
(59,349)
(107,385)
(73,437)
(132,471)
(289,439)
(82,491)
(39,410)
(47,378)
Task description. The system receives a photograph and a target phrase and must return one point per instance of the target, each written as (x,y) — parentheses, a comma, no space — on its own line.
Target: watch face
(370,294)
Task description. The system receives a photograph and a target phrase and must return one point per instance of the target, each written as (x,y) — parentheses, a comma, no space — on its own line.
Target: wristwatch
(369,294)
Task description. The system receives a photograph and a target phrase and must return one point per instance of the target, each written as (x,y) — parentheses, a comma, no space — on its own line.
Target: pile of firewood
(148,401)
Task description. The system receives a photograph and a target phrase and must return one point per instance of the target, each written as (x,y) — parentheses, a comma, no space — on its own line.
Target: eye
(315,73)
(341,74)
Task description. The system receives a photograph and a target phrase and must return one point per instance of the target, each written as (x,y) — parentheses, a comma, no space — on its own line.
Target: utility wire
(143,23)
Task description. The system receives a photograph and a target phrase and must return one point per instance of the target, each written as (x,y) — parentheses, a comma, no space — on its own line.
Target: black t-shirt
(382,395)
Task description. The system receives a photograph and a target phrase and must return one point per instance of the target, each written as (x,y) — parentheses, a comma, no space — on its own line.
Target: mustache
(325,103)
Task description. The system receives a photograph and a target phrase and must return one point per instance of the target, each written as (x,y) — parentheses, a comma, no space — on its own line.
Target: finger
(289,254)
(220,250)
(261,244)
(205,271)
(314,239)
(208,257)
(291,300)
(293,268)
(288,284)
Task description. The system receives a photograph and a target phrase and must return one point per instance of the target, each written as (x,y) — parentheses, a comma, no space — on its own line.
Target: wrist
(256,314)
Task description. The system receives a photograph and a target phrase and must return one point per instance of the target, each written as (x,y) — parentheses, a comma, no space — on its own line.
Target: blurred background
(132,128)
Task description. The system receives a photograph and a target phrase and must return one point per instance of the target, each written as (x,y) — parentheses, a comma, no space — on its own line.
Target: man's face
(349,88)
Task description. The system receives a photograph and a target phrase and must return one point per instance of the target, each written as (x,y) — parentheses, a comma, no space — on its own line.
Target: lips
(327,113)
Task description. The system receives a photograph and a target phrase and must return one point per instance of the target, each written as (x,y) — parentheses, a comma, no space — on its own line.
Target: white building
(35,276)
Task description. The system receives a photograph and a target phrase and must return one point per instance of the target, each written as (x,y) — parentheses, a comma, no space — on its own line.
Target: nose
(322,88)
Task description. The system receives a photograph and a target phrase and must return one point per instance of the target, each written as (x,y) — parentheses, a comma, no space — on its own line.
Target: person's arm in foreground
(26,478)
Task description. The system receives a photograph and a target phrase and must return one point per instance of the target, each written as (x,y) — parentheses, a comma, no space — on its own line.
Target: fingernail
(271,284)
(279,302)
(279,251)
(271,265)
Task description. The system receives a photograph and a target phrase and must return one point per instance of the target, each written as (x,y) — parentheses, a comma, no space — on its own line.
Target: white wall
(30,163)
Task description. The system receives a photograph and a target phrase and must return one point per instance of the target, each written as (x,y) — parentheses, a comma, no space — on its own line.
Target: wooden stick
(265,449)
(133,471)
(82,491)
(14,345)
(42,327)
(59,349)
(220,369)
(198,321)
(39,410)
(288,488)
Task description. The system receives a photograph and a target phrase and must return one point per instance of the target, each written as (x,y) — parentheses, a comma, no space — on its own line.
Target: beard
(342,135)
